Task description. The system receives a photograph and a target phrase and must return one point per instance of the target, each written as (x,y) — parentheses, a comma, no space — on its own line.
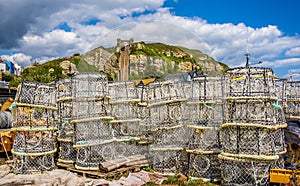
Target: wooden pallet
(97,174)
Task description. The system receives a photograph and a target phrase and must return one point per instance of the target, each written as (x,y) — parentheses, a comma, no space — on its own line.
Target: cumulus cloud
(293,52)
(19,58)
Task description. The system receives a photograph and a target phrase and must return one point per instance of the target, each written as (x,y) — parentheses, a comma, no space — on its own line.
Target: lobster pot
(292,111)
(65,130)
(124,110)
(89,156)
(91,131)
(251,140)
(208,114)
(281,90)
(33,115)
(169,160)
(89,85)
(34,140)
(206,89)
(163,91)
(263,111)
(252,81)
(127,128)
(206,165)
(65,110)
(88,107)
(171,137)
(242,171)
(293,89)
(203,138)
(165,114)
(66,153)
(32,93)
(63,88)
(123,91)
(33,163)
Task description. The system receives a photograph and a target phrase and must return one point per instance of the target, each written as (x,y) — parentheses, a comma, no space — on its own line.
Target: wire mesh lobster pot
(281,91)
(203,138)
(258,110)
(89,156)
(169,160)
(252,140)
(204,89)
(123,91)
(33,163)
(89,107)
(124,110)
(33,115)
(252,81)
(34,140)
(33,93)
(92,131)
(207,114)
(205,164)
(170,137)
(89,85)
(246,171)
(162,91)
(127,129)
(165,114)
(64,89)
(67,154)
(292,109)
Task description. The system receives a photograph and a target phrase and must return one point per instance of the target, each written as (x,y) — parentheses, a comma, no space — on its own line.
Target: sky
(269,31)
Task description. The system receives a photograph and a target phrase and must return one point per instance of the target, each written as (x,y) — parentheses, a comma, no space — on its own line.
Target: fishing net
(67,154)
(203,138)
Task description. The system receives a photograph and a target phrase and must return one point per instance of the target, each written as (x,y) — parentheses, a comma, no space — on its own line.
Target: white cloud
(19,58)
(293,52)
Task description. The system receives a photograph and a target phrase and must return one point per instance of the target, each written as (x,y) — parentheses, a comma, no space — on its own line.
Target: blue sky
(224,29)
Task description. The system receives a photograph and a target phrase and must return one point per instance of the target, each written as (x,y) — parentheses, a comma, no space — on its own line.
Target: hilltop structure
(124,47)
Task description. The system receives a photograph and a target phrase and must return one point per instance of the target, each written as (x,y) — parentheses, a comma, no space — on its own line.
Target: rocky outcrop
(68,68)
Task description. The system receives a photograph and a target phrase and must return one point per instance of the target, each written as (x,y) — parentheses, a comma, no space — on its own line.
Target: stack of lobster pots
(34,113)
(127,128)
(84,120)
(252,136)
(161,109)
(292,109)
(203,116)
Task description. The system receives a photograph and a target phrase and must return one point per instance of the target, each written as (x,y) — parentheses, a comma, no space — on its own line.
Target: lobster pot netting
(253,81)
(203,114)
(123,91)
(66,153)
(65,130)
(251,140)
(89,157)
(257,111)
(171,137)
(124,111)
(292,90)
(205,166)
(89,85)
(169,161)
(281,91)
(245,172)
(205,89)
(127,129)
(35,141)
(91,132)
(162,91)
(32,93)
(33,116)
(165,115)
(204,138)
(33,164)
(64,89)
(292,109)
(84,108)
(65,110)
